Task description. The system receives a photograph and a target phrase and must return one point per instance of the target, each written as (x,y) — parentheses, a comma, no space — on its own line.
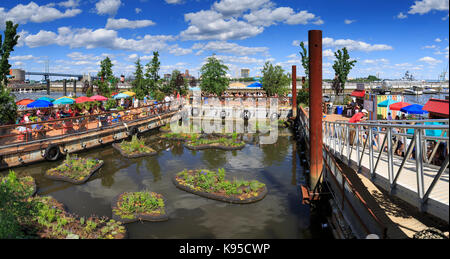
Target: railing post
(294,91)
(347,132)
(419,168)
(357,144)
(371,152)
(390,158)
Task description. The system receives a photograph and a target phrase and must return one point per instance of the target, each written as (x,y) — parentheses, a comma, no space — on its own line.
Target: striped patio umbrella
(98,98)
(64,100)
(39,104)
(129,93)
(45,98)
(83,99)
(398,106)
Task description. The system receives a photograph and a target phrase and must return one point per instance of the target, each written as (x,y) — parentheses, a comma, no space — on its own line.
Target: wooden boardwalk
(406,188)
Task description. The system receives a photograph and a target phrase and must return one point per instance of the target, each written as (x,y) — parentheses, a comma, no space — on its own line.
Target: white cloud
(228,47)
(354,45)
(430,60)
(438,40)
(107,7)
(211,25)
(117,24)
(173,1)
(401,16)
(376,61)
(99,38)
(425,6)
(430,47)
(32,12)
(237,7)
(241,60)
(178,51)
(22,58)
(347,21)
(328,53)
(138,10)
(70,3)
(267,17)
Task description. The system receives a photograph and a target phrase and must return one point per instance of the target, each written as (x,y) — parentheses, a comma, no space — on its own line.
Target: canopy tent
(413,109)
(236,85)
(386,103)
(83,99)
(398,106)
(98,98)
(39,104)
(64,100)
(255,84)
(437,108)
(24,102)
(121,95)
(45,98)
(358,93)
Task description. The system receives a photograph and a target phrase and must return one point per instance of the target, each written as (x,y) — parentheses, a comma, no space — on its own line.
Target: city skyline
(387,38)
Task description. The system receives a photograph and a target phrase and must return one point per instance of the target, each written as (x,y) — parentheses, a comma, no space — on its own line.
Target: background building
(245,72)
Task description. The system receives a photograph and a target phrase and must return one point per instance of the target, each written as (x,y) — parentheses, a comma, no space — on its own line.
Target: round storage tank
(18,75)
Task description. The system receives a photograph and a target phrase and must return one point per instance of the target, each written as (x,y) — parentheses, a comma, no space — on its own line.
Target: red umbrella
(112,94)
(398,106)
(24,102)
(83,99)
(98,98)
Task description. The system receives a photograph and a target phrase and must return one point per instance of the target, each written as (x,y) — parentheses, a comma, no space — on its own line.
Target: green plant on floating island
(184,136)
(75,168)
(216,141)
(135,146)
(143,203)
(24,184)
(214,182)
(52,221)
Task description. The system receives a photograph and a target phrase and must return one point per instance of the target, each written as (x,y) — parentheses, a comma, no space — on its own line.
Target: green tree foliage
(106,69)
(109,82)
(342,66)
(274,81)
(303,93)
(213,77)
(193,82)
(152,72)
(8,107)
(15,211)
(305,60)
(6,47)
(139,84)
(177,83)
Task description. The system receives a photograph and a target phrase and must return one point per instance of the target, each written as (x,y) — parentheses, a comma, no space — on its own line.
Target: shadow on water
(279,215)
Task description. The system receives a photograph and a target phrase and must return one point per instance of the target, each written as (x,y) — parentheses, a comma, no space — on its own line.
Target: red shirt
(357,117)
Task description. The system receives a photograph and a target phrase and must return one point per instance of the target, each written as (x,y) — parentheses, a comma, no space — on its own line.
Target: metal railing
(230,100)
(418,147)
(35,132)
(346,195)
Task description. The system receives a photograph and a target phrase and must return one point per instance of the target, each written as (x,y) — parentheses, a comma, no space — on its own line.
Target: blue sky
(387,38)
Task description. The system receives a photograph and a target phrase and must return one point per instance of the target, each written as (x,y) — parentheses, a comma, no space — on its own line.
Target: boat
(444,90)
(429,90)
(415,90)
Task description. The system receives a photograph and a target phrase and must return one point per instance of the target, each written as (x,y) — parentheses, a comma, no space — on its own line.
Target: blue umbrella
(121,95)
(64,100)
(413,109)
(386,103)
(255,84)
(39,104)
(45,98)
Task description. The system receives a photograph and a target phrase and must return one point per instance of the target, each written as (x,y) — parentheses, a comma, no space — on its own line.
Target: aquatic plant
(75,168)
(135,146)
(130,204)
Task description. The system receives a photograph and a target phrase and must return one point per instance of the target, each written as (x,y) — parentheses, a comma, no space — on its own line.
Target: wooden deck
(406,188)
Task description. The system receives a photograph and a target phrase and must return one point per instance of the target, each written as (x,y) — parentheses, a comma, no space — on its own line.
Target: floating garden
(134,148)
(133,206)
(74,169)
(213,185)
(24,184)
(225,143)
(52,221)
(178,136)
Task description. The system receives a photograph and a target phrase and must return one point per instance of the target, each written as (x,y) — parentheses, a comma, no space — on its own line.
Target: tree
(8,107)
(193,82)
(6,47)
(342,67)
(274,81)
(303,94)
(213,75)
(408,76)
(152,72)
(139,86)
(108,82)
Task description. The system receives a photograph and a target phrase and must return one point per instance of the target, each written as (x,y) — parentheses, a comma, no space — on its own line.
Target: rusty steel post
(64,87)
(74,87)
(315,105)
(294,91)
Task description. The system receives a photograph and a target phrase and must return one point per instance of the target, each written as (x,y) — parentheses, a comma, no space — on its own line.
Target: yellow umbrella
(65,97)
(129,93)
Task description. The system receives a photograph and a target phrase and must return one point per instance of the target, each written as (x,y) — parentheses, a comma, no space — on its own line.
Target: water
(422,99)
(36,95)
(279,215)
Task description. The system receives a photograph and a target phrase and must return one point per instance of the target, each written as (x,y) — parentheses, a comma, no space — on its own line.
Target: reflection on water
(279,215)
(422,99)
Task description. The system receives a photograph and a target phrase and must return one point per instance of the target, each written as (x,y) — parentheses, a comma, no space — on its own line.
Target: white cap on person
(364,111)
